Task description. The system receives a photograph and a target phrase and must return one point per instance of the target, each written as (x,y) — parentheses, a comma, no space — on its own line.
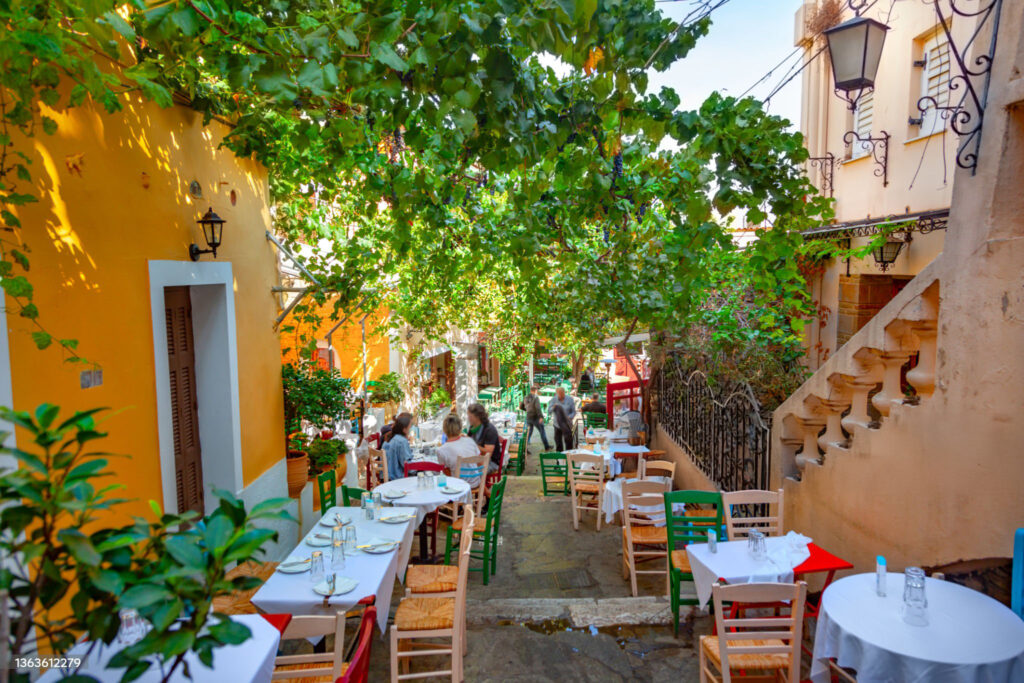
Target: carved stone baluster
(892,389)
(833,435)
(859,388)
(809,426)
(922,376)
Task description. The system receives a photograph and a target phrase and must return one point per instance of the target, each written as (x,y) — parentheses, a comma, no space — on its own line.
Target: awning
(920,221)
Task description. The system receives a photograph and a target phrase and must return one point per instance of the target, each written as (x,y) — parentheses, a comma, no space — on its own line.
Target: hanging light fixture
(213,229)
(855,49)
(885,254)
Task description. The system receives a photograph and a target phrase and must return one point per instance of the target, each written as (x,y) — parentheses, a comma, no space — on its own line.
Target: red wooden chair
(494,477)
(358,668)
(411,468)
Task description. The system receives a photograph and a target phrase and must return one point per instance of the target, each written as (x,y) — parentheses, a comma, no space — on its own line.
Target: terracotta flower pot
(298,472)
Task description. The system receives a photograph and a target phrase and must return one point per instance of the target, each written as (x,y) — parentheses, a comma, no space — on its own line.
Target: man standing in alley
(563,426)
(534,416)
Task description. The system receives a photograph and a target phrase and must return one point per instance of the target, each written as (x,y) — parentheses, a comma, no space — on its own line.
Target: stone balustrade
(858,390)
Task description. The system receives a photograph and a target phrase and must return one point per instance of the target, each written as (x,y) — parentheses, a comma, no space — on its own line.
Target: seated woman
(485,435)
(457,446)
(396,447)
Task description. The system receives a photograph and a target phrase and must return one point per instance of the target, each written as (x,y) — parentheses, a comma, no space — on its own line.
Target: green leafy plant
(440,398)
(388,389)
(324,454)
(66,574)
(317,396)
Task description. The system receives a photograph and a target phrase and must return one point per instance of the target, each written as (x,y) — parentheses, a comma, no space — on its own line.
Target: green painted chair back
(352,495)
(684,529)
(554,474)
(327,484)
(596,420)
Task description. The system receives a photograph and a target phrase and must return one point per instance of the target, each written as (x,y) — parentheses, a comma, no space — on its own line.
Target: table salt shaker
(712,541)
(880,576)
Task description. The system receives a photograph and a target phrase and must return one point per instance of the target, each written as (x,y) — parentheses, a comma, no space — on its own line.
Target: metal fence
(723,428)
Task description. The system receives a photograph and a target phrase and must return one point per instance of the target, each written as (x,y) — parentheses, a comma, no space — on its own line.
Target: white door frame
(211,286)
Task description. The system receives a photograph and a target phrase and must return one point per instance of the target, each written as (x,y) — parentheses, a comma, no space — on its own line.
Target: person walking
(563,411)
(534,417)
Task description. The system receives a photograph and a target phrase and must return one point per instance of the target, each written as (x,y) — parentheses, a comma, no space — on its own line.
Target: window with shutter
(935,81)
(181,357)
(863,117)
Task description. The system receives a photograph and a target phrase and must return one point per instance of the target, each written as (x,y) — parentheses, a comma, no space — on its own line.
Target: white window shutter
(863,117)
(935,82)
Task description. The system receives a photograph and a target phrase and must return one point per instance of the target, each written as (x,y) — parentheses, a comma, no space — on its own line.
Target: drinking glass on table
(336,536)
(349,537)
(756,545)
(378,503)
(367,502)
(338,554)
(915,602)
(441,480)
(316,567)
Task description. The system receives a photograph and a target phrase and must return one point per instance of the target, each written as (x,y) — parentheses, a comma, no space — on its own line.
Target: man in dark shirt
(594,405)
(534,416)
(485,434)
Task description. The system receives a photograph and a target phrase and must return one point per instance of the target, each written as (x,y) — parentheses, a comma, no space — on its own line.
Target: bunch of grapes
(617,168)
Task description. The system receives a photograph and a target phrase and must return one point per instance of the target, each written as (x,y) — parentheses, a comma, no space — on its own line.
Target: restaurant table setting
(503,419)
(611,502)
(757,559)
(924,629)
(372,554)
(613,464)
(251,661)
(425,494)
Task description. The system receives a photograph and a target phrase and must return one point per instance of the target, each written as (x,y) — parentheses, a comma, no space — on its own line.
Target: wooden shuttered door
(188,464)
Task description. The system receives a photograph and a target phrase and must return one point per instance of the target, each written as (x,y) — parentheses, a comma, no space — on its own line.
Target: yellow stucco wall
(92,235)
(347,342)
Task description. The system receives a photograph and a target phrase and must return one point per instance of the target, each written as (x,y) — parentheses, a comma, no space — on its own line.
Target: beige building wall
(939,481)
(920,168)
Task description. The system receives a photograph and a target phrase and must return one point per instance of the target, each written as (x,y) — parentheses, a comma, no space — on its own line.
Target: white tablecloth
(970,638)
(248,662)
(425,500)
(734,564)
(430,430)
(612,464)
(612,500)
(376,574)
(501,419)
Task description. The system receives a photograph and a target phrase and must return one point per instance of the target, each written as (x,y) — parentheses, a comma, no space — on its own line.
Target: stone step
(576,612)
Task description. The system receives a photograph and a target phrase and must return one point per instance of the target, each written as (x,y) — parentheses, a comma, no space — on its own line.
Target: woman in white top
(457,446)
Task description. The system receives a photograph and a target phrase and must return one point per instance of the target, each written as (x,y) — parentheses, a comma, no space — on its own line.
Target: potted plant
(387,390)
(315,397)
(298,463)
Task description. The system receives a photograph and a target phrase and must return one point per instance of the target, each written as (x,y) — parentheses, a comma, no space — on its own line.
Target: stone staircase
(858,392)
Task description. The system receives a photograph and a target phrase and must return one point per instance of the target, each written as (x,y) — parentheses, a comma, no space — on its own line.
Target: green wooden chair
(518,461)
(684,528)
(327,484)
(554,474)
(352,495)
(595,420)
(485,533)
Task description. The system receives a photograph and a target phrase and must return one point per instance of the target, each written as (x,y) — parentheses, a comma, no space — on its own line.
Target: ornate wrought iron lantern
(886,254)
(213,229)
(855,49)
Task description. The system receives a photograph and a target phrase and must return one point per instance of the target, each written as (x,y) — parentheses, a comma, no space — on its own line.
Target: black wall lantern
(855,49)
(213,228)
(885,255)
